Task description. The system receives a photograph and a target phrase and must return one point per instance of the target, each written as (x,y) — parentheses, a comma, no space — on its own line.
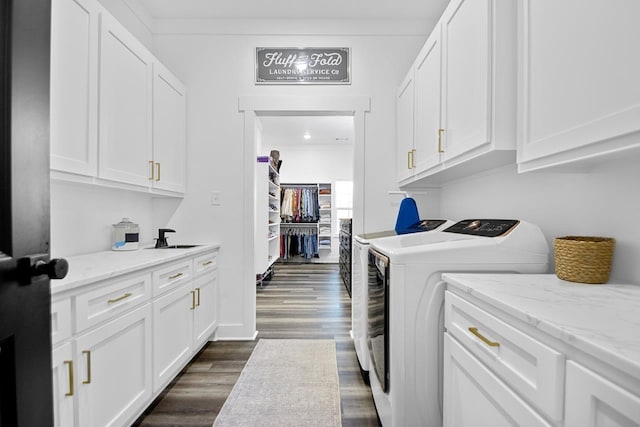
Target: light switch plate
(215,198)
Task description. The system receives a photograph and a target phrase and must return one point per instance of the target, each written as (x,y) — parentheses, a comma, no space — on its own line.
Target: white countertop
(601,320)
(93,267)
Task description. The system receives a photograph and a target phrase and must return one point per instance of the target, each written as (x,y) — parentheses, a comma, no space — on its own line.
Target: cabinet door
(427,139)
(63,386)
(592,401)
(172,334)
(578,80)
(206,312)
(74,86)
(405,130)
(125,106)
(169,133)
(114,370)
(474,396)
(466,65)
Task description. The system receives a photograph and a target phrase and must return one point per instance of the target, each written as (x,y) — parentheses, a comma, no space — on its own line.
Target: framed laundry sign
(303,65)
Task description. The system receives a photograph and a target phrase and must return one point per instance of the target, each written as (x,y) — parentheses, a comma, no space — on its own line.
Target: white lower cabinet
(474,396)
(63,386)
(172,334)
(593,401)
(113,370)
(119,342)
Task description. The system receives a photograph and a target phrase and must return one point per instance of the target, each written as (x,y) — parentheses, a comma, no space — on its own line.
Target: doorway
(256,107)
(316,153)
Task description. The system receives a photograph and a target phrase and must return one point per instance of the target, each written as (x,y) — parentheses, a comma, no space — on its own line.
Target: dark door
(25,338)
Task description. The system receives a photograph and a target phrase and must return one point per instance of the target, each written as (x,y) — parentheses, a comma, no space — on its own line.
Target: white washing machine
(359,265)
(405,306)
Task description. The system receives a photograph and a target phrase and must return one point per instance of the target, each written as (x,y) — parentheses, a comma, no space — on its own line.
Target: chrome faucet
(161,241)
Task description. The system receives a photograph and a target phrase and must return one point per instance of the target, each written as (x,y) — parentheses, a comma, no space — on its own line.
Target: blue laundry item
(407,215)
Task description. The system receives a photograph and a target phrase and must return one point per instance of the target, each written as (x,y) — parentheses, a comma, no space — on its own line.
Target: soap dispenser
(125,236)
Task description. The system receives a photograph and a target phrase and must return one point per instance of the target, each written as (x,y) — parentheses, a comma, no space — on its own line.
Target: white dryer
(359,294)
(405,301)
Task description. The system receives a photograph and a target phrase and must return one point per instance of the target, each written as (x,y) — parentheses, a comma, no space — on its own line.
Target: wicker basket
(583,259)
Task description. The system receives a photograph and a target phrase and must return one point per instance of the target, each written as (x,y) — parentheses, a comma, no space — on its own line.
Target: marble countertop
(601,320)
(93,267)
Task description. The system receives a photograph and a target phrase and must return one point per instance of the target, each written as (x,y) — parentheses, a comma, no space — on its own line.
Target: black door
(25,339)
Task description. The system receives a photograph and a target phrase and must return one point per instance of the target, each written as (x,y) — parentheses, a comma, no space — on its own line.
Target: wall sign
(303,65)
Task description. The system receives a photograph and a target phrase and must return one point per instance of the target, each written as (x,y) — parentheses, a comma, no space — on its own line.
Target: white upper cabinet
(169,133)
(578,80)
(74,90)
(428,141)
(465,95)
(125,106)
(118,116)
(404,128)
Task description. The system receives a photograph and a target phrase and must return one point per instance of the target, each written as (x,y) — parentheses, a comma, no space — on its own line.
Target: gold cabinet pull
(207,263)
(69,364)
(482,338)
(175,276)
(193,300)
(409,154)
(198,291)
(158,166)
(152,170)
(88,353)
(120,298)
(440,131)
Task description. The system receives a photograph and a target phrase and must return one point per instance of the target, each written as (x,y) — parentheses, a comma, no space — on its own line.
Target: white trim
(309,27)
(255,106)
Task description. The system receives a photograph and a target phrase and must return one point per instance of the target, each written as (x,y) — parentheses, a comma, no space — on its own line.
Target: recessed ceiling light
(306,135)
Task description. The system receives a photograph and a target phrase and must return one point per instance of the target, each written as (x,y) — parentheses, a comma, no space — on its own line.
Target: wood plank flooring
(301,301)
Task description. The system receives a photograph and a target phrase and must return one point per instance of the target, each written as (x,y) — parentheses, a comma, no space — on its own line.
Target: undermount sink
(176,247)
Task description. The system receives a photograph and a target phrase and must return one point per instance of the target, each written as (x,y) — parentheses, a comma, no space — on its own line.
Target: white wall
(216,70)
(316,164)
(603,202)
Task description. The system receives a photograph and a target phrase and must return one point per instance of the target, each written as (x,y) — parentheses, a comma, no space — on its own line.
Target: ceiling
(323,130)
(290,9)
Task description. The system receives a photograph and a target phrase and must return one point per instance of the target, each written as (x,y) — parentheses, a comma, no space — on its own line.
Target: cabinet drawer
(206,262)
(529,367)
(172,276)
(60,320)
(108,299)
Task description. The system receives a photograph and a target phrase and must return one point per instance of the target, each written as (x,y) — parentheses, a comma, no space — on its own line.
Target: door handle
(440,132)
(198,303)
(40,265)
(151,178)
(69,363)
(88,380)
(158,167)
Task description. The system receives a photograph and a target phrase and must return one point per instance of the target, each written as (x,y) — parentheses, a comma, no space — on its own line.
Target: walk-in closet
(304,188)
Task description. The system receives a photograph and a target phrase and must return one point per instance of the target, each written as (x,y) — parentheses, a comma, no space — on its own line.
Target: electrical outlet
(215,198)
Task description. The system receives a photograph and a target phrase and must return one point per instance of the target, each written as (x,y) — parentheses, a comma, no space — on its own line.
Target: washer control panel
(483,227)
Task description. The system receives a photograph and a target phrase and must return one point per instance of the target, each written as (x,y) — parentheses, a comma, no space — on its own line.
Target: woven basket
(583,259)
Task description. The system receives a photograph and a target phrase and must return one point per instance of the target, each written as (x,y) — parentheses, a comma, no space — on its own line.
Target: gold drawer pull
(151,178)
(158,166)
(475,332)
(193,300)
(88,353)
(207,263)
(175,276)
(125,296)
(198,291)
(69,363)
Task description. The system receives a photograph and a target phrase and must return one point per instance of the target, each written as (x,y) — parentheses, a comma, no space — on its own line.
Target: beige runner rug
(287,382)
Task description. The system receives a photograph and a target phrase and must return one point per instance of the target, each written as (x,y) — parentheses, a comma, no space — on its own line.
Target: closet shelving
(324,225)
(267,227)
(301,219)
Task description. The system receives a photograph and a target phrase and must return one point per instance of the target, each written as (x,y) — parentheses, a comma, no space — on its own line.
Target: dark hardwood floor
(301,301)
